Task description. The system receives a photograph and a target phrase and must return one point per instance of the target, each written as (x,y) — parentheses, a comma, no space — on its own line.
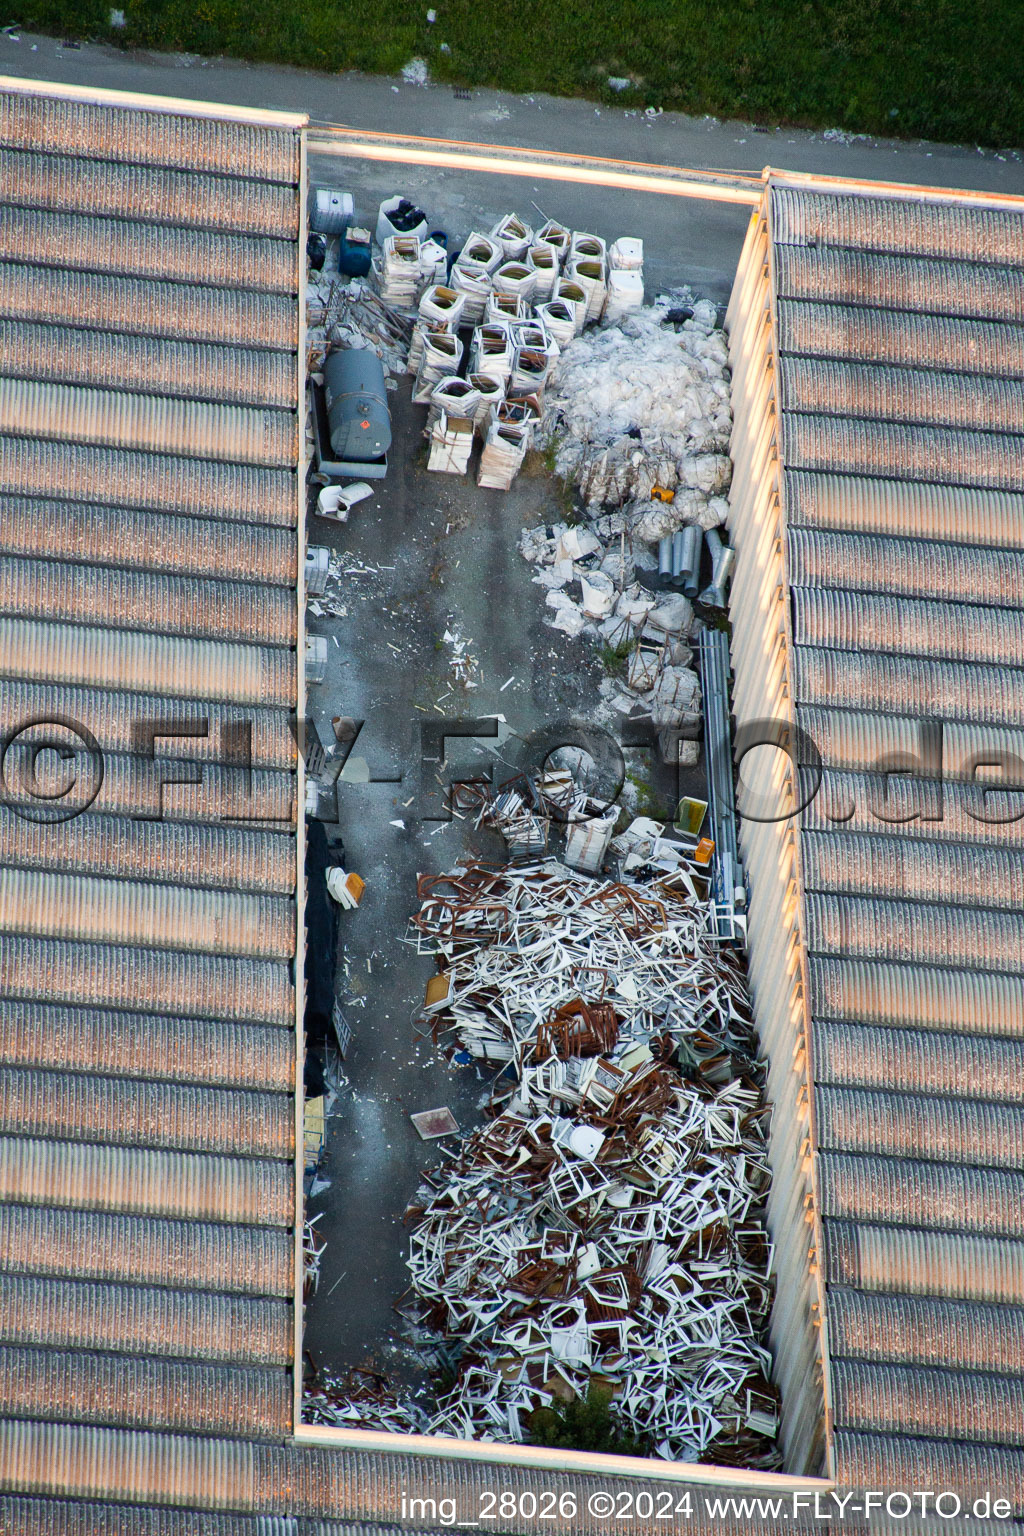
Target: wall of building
(759,617)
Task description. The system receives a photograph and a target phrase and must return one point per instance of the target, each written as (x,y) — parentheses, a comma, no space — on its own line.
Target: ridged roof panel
(194,370)
(143,1182)
(904,508)
(252,152)
(74,1106)
(923,568)
(915,808)
(971,290)
(903,451)
(919,1061)
(976,347)
(912,869)
(184,198)
(158,482)
(918,1330)
(969,1132)
(164,851)
(907,626)
(116,538)
(913,1262)
(128,248)
(92,1388)
(95,1245)
(907,1192)
(143,1319)
(146,1046)
(134,307)
(879,392)
(141,600)
(907,225)
(943,1404)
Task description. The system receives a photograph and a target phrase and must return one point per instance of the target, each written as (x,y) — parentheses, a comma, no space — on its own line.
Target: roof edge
(179,106)
(811,181)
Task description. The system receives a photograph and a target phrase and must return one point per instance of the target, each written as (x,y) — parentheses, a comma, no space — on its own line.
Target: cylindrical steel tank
(330,212)
(357,405)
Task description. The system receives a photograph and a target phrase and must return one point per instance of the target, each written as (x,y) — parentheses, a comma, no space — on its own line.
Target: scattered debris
(432,1124)
(416,71)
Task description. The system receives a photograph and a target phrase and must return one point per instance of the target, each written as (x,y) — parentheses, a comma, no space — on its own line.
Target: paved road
(692,241)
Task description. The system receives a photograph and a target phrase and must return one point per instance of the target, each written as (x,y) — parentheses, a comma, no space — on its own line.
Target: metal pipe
(722,559)
(689,562)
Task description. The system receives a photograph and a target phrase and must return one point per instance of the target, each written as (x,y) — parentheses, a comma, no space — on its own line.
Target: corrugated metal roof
(77,1107)
(914,932)
(188,311)
(152,365)
(149,501)
(920,226)
(958,1405)
(144,600)
(858,739)
(151,725)
(132,249)
(146,1046)
(916,341)
(184,1255)
(920,1330)
(904,1461)
(898,375)
(155,423)
(924,568)
(160,482)
(180,789)
(142,540)
(144,1319)
(78,1459)
(133,912)
(183,199)
(919,1061)
(255,152)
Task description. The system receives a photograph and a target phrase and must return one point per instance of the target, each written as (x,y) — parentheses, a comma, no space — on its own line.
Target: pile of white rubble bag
(489,332)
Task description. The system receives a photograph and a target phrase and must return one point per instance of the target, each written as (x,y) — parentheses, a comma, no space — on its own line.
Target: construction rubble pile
(603,1228)
(489,330)
(347,313)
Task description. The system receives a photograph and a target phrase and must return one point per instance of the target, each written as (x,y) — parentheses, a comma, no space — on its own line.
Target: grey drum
(357,405)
